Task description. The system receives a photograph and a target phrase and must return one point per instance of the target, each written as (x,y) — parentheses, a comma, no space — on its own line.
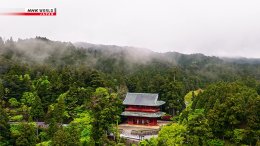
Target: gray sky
(212,27)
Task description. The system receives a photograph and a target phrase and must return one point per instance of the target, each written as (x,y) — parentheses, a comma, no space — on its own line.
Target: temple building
(142,108)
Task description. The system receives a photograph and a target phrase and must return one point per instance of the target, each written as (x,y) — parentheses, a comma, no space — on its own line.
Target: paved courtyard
(127,129)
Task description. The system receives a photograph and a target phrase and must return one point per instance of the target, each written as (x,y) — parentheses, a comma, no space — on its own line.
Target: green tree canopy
(4,127)
(27,135)
(230,106)
(37,110)
(105,108)
(174,135)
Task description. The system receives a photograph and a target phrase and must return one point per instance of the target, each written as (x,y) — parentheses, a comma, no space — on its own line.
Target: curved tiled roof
(146,99)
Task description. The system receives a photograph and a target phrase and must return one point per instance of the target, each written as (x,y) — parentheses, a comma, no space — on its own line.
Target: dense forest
(76,90)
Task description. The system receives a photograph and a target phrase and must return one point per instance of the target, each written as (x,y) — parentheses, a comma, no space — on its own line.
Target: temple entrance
(134,121)
(142,121)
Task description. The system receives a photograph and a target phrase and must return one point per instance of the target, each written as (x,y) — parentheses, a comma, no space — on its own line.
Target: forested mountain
(83,85)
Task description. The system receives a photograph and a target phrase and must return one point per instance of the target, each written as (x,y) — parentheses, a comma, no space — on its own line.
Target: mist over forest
(41,50)
(126,60)
(76,83)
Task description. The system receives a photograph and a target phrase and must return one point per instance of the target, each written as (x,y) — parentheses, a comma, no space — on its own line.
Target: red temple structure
(142,108)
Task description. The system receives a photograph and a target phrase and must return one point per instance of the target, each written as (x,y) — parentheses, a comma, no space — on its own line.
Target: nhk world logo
(30,12)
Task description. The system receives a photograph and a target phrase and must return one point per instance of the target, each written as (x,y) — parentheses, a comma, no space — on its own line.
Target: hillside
(83,85)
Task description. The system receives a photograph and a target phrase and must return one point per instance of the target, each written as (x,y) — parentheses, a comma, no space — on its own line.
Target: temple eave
(142,114)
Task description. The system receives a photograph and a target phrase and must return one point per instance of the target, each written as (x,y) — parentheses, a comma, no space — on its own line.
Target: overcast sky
(212,27)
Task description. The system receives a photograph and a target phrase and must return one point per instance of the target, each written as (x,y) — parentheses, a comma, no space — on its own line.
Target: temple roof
(146,99)
(143,114)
